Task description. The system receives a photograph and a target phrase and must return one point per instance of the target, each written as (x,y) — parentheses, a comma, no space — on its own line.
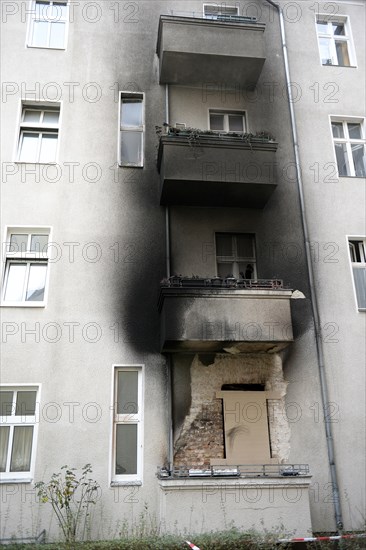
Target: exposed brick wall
(204,439)
(201,436)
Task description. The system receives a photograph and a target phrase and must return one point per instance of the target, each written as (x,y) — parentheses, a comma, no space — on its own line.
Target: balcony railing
(215,17)
(240,470)
(218,282)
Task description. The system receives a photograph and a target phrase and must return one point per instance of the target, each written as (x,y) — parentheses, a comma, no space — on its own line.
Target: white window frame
(330,19)
(121,128)
(38,128)
(25,256)
(234,260)
(137,419)
(357,265)
(32,19)
(218,8)
(21,420)
(226,113)
(347,140)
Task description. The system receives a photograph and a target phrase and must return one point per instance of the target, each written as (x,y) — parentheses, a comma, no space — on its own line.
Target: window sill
(129,166)
(53,163)
(341,66)
(45,48)
(4,480)
(126,483)
(22,304)
(352,177)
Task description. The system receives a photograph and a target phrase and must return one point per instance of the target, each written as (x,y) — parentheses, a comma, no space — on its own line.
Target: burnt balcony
(216,169)
(194,50)
(224,315)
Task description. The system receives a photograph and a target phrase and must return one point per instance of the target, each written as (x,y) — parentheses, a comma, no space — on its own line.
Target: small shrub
(70,497)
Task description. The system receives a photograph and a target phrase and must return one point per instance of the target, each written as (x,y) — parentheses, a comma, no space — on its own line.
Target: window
(48,24)
(214,11)
(17,431)
(131,129)
(127,436)
(334,41)
(26,267)
(221,121)
(357,251)
(38,137)
(349,147)
(235,255)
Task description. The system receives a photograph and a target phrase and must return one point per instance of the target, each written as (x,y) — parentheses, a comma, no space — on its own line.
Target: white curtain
(22,449)
(4,439)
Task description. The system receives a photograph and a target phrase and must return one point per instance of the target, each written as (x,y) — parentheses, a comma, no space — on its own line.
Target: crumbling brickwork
(201,436)
(204,439)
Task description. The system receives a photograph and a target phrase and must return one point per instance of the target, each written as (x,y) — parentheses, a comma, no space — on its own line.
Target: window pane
(246,270)
(359,275)
(131,151)
(337,129)
(39,243)
(57,37)
(325,54)
(224,269)
(40,31)
(342,53)
(359,160)
(6,403)
(26,403)
(59,11)
(354,130)
(126,449)
(18,243)
(36,283)
(29,145)
(338,29)
(131,112)
(21,449)
(354,251)
(51,117)
(236,123)
(342,159)
(41,9)
(15,282)
(4,442)
(31,116)
(322,27)
(224,245)
(48,148)
(244,244)
(216,122)
(127,396)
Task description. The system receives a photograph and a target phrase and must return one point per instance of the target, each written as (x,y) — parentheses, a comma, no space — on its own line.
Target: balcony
(214,315)
(216,169)
(252,496)
(194,50)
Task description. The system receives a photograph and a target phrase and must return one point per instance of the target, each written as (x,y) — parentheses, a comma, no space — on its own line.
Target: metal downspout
(314,300)
(169,362)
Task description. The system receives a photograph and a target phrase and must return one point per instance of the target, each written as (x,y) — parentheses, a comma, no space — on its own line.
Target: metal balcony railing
(240,470)
(219,282)
(214,17)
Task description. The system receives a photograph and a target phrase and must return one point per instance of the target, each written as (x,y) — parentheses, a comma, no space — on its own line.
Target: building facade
(184,261)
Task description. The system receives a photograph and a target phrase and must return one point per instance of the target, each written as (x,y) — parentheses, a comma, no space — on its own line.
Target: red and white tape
(193,546)
(314,539)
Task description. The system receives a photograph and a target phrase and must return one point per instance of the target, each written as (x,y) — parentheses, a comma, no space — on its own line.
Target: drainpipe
(169,362)
(314,300)
(167,232)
